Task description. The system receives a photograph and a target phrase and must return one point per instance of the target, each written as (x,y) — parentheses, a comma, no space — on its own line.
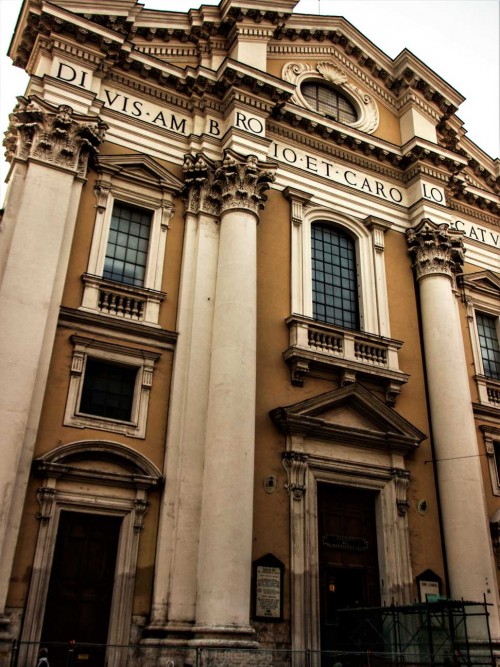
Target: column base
(242,636)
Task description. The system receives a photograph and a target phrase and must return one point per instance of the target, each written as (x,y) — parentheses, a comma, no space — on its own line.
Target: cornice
(490,218)
(418,75)
(49,19)
(110,31)
(95,323)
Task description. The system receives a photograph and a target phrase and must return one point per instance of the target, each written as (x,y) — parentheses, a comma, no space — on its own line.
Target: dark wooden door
(348,559)
(80,589)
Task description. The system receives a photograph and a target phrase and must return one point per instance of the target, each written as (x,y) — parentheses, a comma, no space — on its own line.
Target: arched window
(328,101)
(334,277)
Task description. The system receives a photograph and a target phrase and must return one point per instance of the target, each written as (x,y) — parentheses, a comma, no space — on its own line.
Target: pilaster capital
(54,135)
(199,172)
(435,249)
(236,182)
(240,182)
(298,200)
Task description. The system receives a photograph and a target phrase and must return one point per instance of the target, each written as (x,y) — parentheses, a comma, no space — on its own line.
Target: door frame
(305,470)
(108,486)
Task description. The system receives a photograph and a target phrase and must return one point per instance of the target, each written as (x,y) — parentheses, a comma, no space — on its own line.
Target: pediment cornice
(379,426)
(138,167)
(485,282)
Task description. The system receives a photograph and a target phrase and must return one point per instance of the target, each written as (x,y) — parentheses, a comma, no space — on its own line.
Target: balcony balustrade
(122,301)
(323,350)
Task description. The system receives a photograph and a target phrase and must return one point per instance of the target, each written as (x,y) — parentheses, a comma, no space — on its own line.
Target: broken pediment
(349,415)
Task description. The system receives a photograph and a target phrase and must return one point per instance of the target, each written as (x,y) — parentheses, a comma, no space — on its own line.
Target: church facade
(250,324)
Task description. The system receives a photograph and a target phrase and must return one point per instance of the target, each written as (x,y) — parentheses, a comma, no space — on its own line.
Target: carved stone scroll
(295,464)
(331,72)
(401,482)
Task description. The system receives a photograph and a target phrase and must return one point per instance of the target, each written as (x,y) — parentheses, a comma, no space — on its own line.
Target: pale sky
(458,39)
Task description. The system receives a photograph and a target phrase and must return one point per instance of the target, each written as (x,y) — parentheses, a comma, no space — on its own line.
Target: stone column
(437,253)
(51,146)
(225,548)
(174,597)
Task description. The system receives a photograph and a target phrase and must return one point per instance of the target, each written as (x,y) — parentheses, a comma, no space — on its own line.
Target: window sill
(104,424)
(323,350)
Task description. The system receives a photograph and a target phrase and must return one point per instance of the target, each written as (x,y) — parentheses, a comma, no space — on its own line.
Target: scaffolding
(442,632)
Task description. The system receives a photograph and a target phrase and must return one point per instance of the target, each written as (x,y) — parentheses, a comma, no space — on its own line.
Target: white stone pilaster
(53,144)
(437,252)
(177,554)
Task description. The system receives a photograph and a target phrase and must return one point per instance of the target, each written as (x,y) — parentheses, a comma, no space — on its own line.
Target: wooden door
(80,589)
(348,560)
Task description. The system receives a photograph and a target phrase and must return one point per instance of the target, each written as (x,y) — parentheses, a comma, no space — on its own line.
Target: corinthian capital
(199,172)
(435,249)
(241,182)
(55,135)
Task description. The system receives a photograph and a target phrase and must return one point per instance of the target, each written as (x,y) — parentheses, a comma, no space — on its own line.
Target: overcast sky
(458,39)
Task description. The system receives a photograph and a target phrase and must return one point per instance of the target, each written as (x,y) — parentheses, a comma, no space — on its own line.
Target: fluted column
(224,564)
(50,147)
(437,253)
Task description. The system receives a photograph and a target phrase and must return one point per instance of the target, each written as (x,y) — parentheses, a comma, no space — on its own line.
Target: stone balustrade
(317,349)
(119,300)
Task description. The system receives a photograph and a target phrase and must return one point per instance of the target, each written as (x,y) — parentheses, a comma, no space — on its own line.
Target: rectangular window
(108,390)
(128,242)
(488,341)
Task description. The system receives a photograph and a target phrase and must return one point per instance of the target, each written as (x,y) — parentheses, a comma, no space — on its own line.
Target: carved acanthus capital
(295,464)
(199,172)
(435,249)
(240,182)
(55,135)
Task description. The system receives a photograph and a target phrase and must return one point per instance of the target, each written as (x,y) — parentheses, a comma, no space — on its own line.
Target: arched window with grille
(334,277)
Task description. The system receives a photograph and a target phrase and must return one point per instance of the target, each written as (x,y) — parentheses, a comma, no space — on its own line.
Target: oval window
(328,101)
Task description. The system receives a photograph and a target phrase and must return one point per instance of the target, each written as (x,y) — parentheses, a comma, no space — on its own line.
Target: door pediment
(349,415)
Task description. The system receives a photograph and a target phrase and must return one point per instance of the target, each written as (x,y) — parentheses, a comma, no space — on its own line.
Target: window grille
(108,390)
(128,241)
(488,341)
(329,102)
(335,288)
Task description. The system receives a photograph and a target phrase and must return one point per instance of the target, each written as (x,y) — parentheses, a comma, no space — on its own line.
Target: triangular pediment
(139,167)
(349,415)
(486,282)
